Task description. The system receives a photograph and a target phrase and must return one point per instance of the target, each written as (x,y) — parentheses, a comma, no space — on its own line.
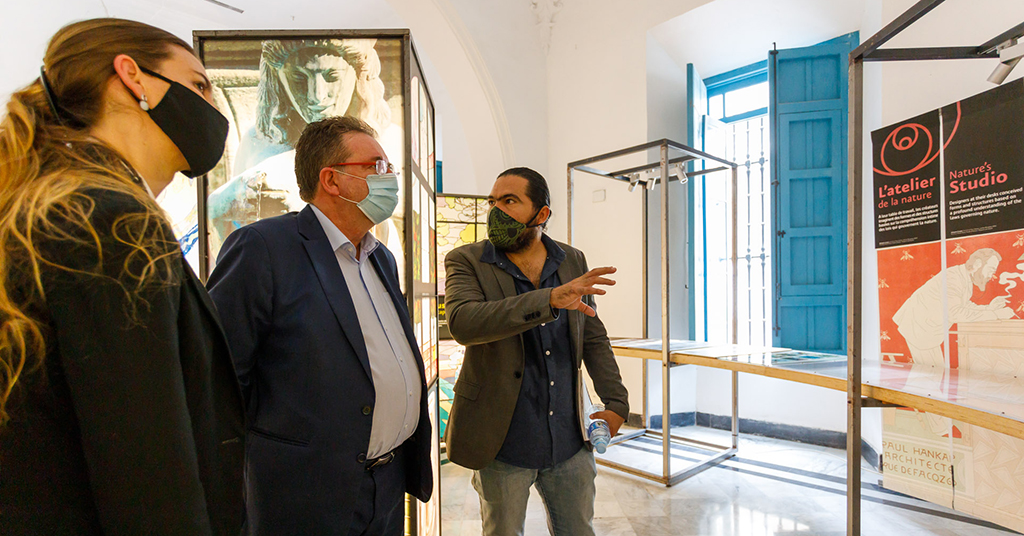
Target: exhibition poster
(949,232)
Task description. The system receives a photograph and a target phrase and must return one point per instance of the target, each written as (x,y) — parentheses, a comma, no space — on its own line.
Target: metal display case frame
(655,173)
(870,50)
(413,177)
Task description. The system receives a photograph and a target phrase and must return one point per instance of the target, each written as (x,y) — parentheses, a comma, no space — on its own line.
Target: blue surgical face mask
(382,198)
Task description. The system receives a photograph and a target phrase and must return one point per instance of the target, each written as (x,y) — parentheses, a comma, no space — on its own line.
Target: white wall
(597,75)
(666,118)
(871,425)
(598,102)
(514,57)
(606,240)
(478,137)
(911,88)
(725,34)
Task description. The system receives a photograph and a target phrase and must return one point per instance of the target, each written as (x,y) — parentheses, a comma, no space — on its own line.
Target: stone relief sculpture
(300,81)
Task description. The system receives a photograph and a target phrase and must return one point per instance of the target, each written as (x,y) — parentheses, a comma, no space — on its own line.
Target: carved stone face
(320,84)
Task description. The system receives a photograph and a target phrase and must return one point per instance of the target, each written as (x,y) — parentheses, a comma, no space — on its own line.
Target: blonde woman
(120,409)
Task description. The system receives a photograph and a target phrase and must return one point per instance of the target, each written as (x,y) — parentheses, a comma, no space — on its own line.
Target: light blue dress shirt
(396,379)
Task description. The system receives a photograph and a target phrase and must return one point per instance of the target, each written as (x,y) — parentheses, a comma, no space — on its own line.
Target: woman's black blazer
(134,423)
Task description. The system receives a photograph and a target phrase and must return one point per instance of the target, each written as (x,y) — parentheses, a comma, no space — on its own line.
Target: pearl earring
(144,104)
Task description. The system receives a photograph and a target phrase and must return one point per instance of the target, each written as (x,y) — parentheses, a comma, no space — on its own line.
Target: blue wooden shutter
(808,114)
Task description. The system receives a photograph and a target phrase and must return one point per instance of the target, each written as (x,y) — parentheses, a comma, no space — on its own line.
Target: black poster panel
(906,181)
(984,162)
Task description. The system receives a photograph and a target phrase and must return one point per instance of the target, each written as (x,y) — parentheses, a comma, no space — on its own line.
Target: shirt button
(547,352)
(367,410)
(551,413)
(542,325)
(552,383)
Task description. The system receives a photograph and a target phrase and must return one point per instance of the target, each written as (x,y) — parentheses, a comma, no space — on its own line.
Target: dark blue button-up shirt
(545,429)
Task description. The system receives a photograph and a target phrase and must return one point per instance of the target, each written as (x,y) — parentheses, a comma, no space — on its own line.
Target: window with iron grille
(736,126)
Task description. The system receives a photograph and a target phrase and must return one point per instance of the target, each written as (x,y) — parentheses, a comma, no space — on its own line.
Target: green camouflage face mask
(504,231)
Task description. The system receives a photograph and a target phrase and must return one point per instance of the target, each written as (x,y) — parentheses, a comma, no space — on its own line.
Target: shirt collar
(556,253)
(338,239)
(491,254)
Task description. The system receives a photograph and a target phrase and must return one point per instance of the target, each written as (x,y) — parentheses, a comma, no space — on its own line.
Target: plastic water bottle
(597,431)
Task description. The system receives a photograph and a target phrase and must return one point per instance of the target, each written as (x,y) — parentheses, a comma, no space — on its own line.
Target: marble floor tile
(772,488)
(614,526)
(470,528)
(608,509)
(655,526)
(645,508)
(536,527)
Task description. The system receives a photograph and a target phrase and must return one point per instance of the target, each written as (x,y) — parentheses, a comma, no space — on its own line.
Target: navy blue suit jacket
(305,374)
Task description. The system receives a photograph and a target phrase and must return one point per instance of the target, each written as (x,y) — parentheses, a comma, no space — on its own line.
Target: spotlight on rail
(680,172)
(1009,55)
(634,179)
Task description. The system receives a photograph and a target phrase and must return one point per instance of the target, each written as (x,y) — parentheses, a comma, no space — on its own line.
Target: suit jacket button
(367,410)
(361,458)
(517,374)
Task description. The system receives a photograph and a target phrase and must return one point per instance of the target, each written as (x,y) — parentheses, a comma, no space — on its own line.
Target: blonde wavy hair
(279,122)
(50,170)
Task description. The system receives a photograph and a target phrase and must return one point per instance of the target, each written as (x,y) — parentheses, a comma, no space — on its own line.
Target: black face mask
(194,125)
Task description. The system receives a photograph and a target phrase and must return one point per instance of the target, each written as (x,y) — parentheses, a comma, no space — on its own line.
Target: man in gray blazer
(523,306)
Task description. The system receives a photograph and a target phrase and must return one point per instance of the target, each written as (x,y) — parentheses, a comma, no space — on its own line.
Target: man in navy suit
(324,349)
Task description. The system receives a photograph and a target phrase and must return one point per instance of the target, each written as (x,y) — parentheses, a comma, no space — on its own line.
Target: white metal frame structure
(658,172)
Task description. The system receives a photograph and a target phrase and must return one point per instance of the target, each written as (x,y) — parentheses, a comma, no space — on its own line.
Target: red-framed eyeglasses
(381,166)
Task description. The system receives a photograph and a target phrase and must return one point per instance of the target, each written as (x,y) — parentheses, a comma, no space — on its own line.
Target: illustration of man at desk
(925,318)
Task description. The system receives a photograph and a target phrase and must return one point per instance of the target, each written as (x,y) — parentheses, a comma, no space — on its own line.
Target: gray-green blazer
(487,315)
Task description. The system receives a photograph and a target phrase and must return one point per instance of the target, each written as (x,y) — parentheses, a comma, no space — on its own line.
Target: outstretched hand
(570,295)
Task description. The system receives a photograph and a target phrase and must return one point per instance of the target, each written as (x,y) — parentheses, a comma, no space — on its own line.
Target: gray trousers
(567,490)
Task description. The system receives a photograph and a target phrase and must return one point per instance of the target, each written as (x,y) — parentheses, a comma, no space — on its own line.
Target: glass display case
(461,220)
(270,85)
